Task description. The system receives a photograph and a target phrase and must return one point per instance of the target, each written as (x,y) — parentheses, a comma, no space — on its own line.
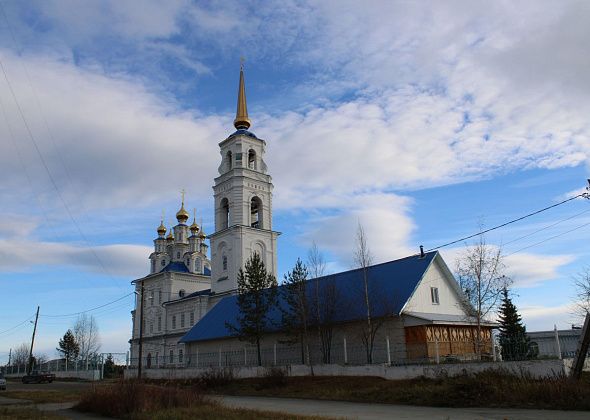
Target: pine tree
(513,339)
(68,346)
(257,295)
(296,313)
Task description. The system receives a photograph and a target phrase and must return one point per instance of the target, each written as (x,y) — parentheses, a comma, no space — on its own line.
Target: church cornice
(249,228)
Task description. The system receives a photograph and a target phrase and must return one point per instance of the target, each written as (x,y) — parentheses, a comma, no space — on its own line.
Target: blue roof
(391,285)
(176,266)
(243,132)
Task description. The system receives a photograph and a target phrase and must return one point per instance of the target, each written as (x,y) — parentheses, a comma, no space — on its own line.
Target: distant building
(188,299)
(545,342)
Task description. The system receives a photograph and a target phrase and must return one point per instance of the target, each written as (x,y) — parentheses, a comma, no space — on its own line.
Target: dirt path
(362,411)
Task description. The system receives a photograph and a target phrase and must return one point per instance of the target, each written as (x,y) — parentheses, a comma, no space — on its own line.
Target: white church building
(188,299)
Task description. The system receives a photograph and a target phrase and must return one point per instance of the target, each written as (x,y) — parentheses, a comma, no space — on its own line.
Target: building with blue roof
(187,303)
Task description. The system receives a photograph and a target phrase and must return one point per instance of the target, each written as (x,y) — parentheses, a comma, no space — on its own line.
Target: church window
(180,356)
(153,266)
(171,356)
(198,265)
(173,322)
(159,323)
(180,236)
(182,320)
(192,318)
(178,255)
(163,263)
(149,361)
(224,260)
(434,295)
(181,293)
(224,213)
(156,360)
(229,160)
(251,159)
(159,297)
(256,213)
(151,298)
(151,327)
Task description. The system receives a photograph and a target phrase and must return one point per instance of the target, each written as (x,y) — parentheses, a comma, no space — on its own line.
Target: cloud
(525,269)
(543,318)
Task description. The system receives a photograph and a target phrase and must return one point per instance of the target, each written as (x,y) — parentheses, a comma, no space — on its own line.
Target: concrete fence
(534,368)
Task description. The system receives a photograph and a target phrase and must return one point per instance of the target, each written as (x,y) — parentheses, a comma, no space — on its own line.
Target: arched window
(228,159)
(224,260)
(256,213)
(153,265)
(224,213)
(251,159)
(198,265)
(178,255)
(163,263)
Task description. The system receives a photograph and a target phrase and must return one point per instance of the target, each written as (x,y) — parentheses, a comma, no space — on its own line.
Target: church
(187,299)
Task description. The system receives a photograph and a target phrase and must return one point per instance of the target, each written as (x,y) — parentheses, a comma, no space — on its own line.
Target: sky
(421,120)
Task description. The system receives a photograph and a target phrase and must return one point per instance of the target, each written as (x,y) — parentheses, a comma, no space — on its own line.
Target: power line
(548,239)
(18,325)
(546,227)
(88,310)
(585,195)
(53,182)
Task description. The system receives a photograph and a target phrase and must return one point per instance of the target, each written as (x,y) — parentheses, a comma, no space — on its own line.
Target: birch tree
(87,336)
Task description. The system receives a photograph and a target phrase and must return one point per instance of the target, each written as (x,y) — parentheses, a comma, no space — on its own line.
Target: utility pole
(32,343)
(140,332)
(9,356)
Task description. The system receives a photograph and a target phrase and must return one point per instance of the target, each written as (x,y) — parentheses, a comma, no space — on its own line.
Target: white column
(436,353)
(388,350)
(557,345)
(345,352)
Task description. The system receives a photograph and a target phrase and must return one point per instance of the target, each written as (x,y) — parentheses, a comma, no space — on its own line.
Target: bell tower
(243,204)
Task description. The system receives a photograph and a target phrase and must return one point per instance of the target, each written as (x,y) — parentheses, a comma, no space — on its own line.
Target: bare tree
(375,303)
(86,334)
(20,355)
(480,272)
(323,302)
(582,285)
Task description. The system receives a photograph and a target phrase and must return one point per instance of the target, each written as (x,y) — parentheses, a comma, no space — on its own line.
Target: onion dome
(182,215)
(202,235)
(170,236)
(194,227)
(161,229)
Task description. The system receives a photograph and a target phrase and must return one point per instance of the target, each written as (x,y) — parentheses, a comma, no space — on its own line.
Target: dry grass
(211,411)
(487,389)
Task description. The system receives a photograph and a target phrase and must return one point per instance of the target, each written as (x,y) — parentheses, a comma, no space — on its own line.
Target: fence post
(197,357)
(245,356)
(494,357)
(436,353)
(345,353)
(219,356)
(558,346)
(388,351)
(275,353)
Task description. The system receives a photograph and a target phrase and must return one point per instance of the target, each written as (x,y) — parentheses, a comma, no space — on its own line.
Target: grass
(12,413)
(44,396)
(486,389)
(143,401)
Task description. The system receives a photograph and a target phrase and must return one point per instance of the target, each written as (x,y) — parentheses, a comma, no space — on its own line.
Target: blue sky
(418,119)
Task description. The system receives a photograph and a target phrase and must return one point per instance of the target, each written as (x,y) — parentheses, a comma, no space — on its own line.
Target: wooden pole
(32,343)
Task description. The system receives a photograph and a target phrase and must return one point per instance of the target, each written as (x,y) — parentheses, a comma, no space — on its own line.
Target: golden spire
(242,121)
(182,215)
(194,227)
(161,229)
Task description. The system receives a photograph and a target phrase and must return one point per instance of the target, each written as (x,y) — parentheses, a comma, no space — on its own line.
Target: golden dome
(161,229)
(182,215)
(194,227)
(202,234)
(170,236)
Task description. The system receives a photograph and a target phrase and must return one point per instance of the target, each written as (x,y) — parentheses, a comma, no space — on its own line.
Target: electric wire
(18,325)
(548,239)
(87,310)
(44,163)
(546,227)
(507,223)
